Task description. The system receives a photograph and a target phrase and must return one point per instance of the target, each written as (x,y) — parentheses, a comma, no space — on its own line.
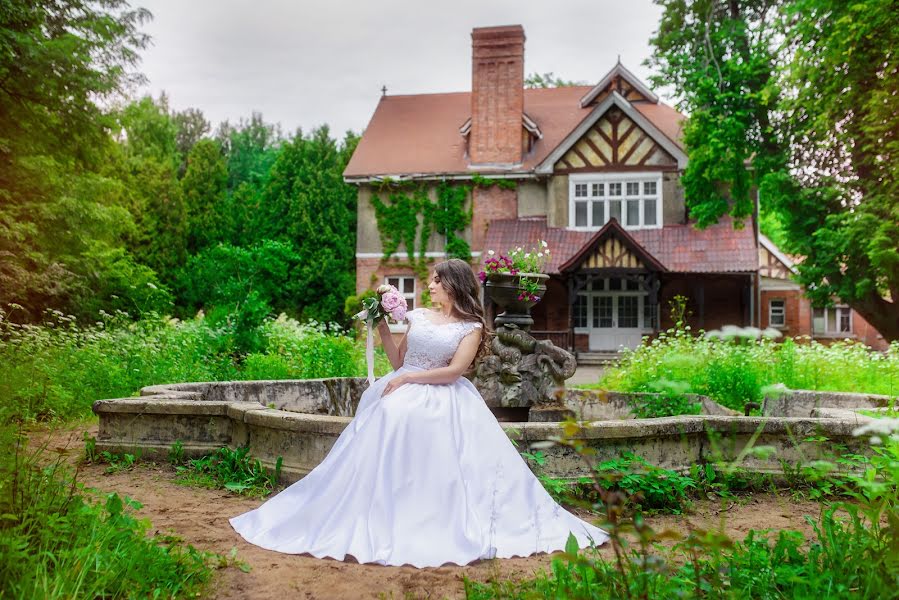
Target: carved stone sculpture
(523,372)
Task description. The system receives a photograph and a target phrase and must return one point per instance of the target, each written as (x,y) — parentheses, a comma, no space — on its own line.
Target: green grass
(852,552)
(233,470)
(55,371)
(736,371)
(61,541)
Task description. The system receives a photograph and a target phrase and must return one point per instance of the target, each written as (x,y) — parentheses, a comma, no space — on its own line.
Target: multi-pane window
(831,321)
(634,201)
(580,311)
(650,315)
(777,314)
(406,286)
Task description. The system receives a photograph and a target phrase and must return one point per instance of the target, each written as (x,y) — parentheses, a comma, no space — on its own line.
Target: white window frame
(401,327)
(783,313)
(648,323)
(589,179)
(835,310)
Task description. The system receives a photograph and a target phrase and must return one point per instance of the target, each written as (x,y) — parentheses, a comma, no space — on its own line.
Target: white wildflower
(543,243)
(878,427)
(490,253)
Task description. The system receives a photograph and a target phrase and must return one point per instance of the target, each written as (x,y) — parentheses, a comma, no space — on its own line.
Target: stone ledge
(207,416)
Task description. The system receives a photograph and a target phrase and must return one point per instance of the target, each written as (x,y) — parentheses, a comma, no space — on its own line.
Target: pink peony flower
(391,300)
(399,313)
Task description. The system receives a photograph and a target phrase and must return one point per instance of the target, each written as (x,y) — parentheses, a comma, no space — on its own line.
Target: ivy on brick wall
(407,216)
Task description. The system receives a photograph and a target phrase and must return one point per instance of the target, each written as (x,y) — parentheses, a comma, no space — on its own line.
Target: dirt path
(200,517)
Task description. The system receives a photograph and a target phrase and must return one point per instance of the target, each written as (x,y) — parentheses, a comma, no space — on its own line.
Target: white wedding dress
(423,476)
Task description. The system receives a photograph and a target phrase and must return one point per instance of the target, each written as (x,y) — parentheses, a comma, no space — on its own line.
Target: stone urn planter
(504,289)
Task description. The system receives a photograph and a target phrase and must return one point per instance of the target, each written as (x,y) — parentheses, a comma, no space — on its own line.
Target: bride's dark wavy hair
(464,290)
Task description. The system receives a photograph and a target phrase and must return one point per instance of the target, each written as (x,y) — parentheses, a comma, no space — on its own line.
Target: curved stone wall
(300,420)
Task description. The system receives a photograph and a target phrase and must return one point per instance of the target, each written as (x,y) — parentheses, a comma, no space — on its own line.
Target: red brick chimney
(497,95)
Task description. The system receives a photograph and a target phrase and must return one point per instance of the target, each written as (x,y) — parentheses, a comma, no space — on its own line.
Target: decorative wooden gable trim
(626,122)
(616,143)
(620,80)
(612,248)
(624,87)
(772,262)
(612,254)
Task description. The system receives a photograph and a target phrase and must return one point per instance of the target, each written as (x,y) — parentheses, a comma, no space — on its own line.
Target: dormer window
(634,200)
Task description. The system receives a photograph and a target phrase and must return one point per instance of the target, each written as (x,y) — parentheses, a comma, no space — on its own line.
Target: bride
(423,474)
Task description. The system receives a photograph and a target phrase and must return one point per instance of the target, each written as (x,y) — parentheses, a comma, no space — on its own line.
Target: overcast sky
(303,63)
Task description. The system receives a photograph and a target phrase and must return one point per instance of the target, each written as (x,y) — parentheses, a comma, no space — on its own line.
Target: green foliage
(240,287)
(58,541)
(733,374)
(823,156)
(851,554)
(56,371)
(648,488)
(176,453)
(308,351)
(62,211)
(719,57)
(398,220)
(408,218)
(204,187)
(548,80)
(670,399)
(307,204)
(352,306)
(233,470)
(119,462)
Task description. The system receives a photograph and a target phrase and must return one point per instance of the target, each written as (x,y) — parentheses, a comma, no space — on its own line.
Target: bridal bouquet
(389,301)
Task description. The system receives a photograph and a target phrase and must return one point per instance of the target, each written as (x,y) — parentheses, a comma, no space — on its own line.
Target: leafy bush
(734,372)
(57,542)
(233,470)
(851,555)
(669,400)
(57,370)
(648,487)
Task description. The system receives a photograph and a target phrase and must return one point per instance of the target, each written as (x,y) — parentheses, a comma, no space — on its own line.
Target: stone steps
(597,358)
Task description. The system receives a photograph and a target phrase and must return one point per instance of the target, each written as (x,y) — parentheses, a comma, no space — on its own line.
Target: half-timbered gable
(615,143)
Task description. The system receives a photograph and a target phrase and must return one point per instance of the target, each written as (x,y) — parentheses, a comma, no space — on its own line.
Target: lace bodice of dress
(430,345)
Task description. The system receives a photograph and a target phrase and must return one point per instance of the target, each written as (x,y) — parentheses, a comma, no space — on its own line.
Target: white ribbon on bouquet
(369,346)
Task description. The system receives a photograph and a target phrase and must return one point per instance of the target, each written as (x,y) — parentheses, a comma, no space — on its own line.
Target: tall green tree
(150,145)
(63,213)
(719,56)
(307,204)
(204,186)
(797,97)
(250,149)
(840,205)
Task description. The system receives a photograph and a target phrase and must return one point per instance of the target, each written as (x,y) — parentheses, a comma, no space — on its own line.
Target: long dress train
(424,476)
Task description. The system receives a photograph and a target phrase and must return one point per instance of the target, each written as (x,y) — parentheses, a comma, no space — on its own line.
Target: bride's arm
(394,354)
(466,352)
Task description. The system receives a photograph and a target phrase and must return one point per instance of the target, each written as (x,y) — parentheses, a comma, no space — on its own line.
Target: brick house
(596,174)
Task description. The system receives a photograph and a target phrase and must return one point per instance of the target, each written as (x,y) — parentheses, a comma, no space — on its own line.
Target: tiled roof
(681,248)
(419,134)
